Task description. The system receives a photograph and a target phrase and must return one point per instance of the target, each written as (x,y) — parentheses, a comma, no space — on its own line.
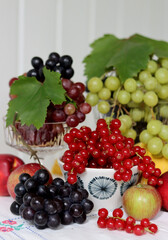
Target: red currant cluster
(116,222)
(106,147)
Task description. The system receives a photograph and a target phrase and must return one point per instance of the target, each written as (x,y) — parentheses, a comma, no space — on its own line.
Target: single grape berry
(37,62)
(40,218)
(42,176)
(53,221)
(50,64)
(66,61)
(23,177)
(33,73)
(54,56)
(14,208)
(20,189)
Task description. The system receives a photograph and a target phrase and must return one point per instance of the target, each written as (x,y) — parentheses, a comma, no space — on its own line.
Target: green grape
(162,75)
(151,83)
(145,136)
(163,92)
(104,93)
(95,84)
(137,114)
(123,127)
(130,133)
(132,104)
(152,66)
(150,99)
(130,85)
(103,107)
(155,145)
(154,127)
(164,111)
(126,119)
(112,83)
(124,97)
(108,120)
(144,75)
(137,96)
(165,151)
(164,63)
(92,99)
(163,134)
(139,84)
(157,88)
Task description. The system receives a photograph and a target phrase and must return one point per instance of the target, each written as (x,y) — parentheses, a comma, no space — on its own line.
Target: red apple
(13,179)
(163,190)
(142,201)
(8,163)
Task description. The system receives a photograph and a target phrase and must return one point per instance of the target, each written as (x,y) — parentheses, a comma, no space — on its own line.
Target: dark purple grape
(40,227)
(37,203)
(72,186)
(42,191)
(20,189)
(87,205)
(59,203)
(58,182)
(42,176)
(64,191)
(37,62)
(27,198)
(41,74)
(53,221)
(80,99)
(58,116)
(66,203)
(21,208)
(40,218)
(33,73)
(76,196)
(28,213)
(52,190)
(68,73)
(50,207)
(80,86)
(66,218)
(23,177)
(59,69)
(50,64)
(81,219)
(66,83)
(76,210)
(19,200)
(31,185)
(66,61)
(54,56)
(84,192)
(72,121)
(81,116)
(14,208)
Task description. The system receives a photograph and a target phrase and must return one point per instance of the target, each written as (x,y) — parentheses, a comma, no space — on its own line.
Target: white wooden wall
(37,27)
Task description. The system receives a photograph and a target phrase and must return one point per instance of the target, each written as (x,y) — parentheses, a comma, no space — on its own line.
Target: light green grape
(126,119)
(163,92)
(123,127)
(103,107)
(112,83)
(130,133)
(137,96)
(162,75)
(154,127)
(152,66)
(130,85)
(145,136)
(137,114)
(95,84)
(150,99)
(104,93)
(157,88)
(124,97)
(165,151)
(139,84)
(92,99)
(144,75)
(164,111)
(163,134)
(164,63)
(132,104)
(155,145)
(151,83)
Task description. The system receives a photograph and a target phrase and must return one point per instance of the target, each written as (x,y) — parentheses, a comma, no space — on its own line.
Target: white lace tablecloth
(13,227)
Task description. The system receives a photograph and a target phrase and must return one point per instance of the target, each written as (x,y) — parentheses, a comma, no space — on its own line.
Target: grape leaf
(33,98)
(126,56)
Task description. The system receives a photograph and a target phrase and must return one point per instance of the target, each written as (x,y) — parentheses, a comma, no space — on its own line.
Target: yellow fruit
(56,170)
(161,163)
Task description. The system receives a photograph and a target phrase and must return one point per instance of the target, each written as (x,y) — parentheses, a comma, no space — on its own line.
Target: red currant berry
(118,212)
(153,228)
(145,222)
(152,180)
(130,220)
(129,228)
(157,172)
(138,230)
(110,224)
(147,159)
(117,176)
(103,212)
(101,222)
(115,124)
(72,178)
(120,224)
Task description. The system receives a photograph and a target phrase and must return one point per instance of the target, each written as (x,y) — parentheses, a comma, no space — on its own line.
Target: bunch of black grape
(55,62)
(50,205)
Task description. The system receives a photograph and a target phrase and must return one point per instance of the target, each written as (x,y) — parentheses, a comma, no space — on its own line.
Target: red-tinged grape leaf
(30,104)
(126,56)
(53,86)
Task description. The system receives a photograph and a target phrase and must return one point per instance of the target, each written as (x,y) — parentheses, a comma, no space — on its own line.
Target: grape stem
(33,152)
(153,115)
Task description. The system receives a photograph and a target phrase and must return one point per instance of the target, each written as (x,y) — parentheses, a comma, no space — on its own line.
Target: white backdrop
(37,27)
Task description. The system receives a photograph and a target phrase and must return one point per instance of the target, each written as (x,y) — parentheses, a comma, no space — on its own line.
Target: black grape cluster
(55,62)
(49,206)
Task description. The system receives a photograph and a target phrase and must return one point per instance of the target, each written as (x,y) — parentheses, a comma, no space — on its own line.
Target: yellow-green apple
(29,168)
(163,190)
(142,201)
(8,163)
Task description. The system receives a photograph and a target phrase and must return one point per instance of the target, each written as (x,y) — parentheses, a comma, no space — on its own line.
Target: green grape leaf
(33,98)
(126,56)
(53,86)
